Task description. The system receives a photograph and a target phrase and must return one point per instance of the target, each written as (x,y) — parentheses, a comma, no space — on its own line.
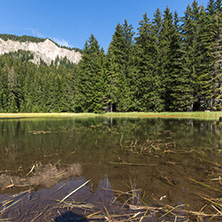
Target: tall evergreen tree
(191,58)
(90,79)
(114,61)
(169,49)
(175,79)
(120,68)
(158,72)
(144,78)
(216,87)
(207,40)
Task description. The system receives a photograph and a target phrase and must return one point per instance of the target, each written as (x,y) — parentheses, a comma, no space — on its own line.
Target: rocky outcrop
(47,50)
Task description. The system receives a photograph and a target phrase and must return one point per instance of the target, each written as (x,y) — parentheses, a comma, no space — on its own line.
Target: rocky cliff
(47,50)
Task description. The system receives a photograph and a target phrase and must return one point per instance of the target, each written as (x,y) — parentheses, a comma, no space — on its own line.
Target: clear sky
(71,22)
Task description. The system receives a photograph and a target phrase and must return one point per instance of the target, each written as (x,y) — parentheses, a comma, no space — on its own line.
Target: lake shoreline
(214,115)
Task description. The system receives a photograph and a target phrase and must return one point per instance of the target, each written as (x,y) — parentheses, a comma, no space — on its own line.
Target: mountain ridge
(42,49)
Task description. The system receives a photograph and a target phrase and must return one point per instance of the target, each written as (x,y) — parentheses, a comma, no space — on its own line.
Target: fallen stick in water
(78,188)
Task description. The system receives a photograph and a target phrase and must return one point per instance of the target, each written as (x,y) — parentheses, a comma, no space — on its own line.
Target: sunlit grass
(45,115)
(187,115)
(196,115)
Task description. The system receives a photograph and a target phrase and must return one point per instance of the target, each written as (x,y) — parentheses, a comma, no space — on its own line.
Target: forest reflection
(153,157)
(96,142)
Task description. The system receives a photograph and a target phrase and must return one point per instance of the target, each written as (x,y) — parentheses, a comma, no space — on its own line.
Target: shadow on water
(70,216)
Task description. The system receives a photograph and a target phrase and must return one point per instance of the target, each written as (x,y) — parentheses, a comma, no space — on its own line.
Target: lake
(130,169)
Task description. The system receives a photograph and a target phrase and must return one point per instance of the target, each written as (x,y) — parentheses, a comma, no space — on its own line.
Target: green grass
(194,115)
(44,115)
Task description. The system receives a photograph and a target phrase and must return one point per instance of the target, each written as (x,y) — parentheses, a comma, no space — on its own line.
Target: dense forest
(23,38)
(171,63)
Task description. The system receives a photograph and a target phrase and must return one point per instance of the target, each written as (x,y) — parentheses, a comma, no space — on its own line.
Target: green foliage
(23,38)
(171,64)
(120,69)
(26,87)
(145,93)
(91,78)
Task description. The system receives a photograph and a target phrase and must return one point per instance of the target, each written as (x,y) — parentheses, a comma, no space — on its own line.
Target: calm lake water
(161,160)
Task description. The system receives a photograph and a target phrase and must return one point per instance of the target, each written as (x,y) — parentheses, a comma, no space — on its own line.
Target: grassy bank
(195,115)
(44,115)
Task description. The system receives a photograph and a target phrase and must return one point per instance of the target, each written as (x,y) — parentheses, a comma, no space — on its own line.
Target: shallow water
(155,157)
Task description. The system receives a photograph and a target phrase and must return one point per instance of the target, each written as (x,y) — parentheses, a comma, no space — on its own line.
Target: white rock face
(47,50)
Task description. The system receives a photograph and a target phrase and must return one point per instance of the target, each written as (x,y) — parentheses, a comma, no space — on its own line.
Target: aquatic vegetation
(46,176)
(110,169)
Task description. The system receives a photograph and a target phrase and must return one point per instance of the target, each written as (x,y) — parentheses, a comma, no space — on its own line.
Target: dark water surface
(158,162)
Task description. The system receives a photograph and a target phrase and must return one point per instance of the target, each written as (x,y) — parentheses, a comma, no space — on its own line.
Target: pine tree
(207,39)
(177,83)
(169,49)
(58,94)
(4,88)
(114,67)
(90,79)
(13,105)
(120,68)
(144,81)
(216,87)
(69,88)
(112,80)
(158,71)
(191,58)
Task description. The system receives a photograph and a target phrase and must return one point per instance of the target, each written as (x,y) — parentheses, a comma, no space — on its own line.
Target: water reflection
(95,142)
(153,156)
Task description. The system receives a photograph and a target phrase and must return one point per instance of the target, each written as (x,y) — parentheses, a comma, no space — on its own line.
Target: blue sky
(71,22)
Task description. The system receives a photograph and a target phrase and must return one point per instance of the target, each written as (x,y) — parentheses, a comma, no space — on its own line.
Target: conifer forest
(169,63)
